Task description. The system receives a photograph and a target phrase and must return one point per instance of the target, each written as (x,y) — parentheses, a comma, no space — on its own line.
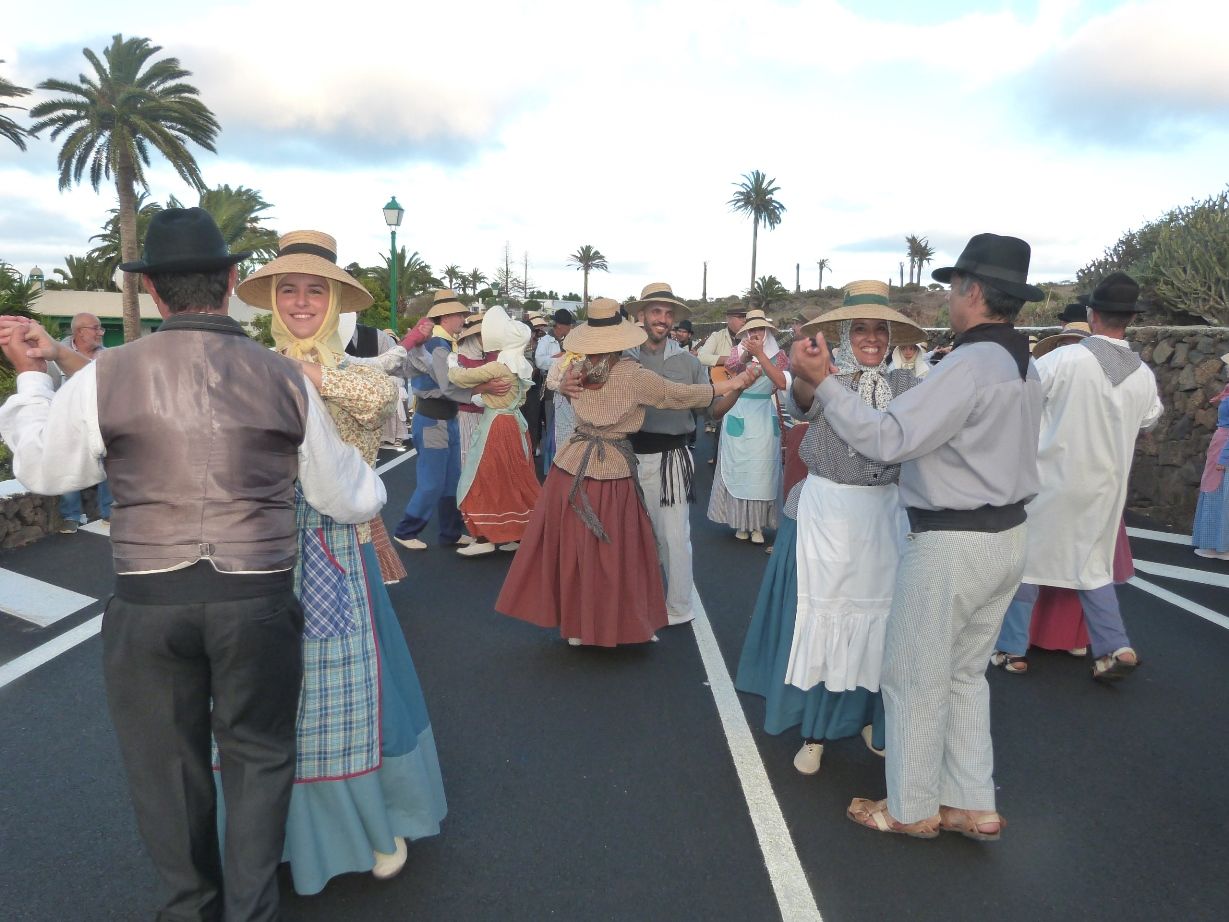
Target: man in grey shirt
(966,438)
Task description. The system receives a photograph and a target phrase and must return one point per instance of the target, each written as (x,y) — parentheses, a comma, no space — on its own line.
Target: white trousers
(672,528)
(952,590)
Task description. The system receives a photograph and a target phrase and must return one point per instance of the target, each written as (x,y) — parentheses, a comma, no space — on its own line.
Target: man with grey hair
(966,440)
(81,346)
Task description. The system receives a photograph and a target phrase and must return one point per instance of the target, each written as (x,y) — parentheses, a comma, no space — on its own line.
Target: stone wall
(1169,461)
(25,517)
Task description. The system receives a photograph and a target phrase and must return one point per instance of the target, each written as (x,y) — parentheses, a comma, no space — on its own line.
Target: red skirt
(505,489)
(1058,617)
(563,576)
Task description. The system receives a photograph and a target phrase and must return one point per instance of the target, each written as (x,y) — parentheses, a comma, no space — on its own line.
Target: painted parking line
(32,600)
(400,459)
(1168,537)
(15,669)
(1185,604)
(789,882)
(1186,574)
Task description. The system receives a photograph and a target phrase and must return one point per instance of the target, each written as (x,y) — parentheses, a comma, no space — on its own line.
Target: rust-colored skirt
(392,570)
(505,489)
(563,576)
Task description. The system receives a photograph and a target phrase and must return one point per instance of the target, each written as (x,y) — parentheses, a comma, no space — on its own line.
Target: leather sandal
(1016,665)
(968,823)
(1112,667)
(873,814)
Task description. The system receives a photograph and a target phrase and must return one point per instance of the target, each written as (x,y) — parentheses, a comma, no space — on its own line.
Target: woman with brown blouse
(588,562)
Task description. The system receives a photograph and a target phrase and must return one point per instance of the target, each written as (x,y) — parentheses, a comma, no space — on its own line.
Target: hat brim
(1050,343)
(752,325)
(475,330)
(681,310)
(587,339)
(194,264)
(1016,289)
(1112,307)
(352,297)
(904,331)
(446,309)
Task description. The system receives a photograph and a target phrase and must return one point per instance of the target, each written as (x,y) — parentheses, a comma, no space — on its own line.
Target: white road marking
(789,882)
(1185,604)
(15,669)
(1186,574)
(1150,535)
(39,603)
(96,528)
(389,465)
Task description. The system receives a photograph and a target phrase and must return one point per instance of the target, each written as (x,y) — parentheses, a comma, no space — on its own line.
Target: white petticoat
(849,545)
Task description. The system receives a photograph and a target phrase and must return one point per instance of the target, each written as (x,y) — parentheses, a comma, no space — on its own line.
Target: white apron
(750,452)
(849,544)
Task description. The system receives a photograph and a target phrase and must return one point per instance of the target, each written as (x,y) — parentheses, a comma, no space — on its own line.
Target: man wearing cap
(1098,397)
(682,333)
(435,430)
(547,352)
(666,467)
(966,437)
(203,434)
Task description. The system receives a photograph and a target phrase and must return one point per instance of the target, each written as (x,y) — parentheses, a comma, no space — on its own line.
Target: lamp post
(393,213)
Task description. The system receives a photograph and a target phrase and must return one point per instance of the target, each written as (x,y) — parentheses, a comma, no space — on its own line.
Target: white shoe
(1213,555)
(808,758)
(390,865)
(412,543)
(476,550)
(757,537)
(742,535)
(510,546)
(573,641)
(679,619)
(464,541)
(1078,651)
(654,639)
(868,737)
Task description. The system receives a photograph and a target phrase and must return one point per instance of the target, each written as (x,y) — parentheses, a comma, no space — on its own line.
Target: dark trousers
(163,665)
(532,411)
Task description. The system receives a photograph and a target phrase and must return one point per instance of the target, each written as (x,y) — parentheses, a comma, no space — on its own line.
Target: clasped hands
(810,360)
(26,344)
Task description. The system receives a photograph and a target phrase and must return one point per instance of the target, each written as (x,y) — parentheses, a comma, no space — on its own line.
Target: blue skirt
(334,827)
(819,713)
(1211,530)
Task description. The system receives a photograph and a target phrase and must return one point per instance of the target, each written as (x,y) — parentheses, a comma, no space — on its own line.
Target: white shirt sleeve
(54,436)
(335,479)
(544,355)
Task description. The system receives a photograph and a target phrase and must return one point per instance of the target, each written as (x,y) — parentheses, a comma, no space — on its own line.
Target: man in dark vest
(202,433)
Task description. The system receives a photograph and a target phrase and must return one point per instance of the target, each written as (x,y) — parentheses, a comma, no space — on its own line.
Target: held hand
(23,343)
(810,360)
(418,334)
(570,384)
(1220,467)
(496,387)
(748,376)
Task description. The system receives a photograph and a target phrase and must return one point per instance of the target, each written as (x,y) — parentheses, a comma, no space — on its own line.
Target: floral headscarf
(872,386)
(324,347)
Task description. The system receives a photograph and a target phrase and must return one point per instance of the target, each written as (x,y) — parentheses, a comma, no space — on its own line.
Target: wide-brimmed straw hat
(312,253)
(538,323)
(756,320)
(605,330)
(472,327)
(1001,261)
(660,293)
(445,302)
(866,300)
(1072,333)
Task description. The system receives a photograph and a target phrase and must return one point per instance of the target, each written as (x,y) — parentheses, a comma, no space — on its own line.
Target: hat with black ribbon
(1117,293)
(445,302)
(605,330)
(183,240)
(308,252)
(1002,262)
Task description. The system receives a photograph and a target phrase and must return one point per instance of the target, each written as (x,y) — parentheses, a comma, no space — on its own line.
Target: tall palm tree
(9,128)
(476,280)
(453,274)
(588,259)
(86,273)
(822,264)
(756,197)
(111,118)
(109,250)
(925,254)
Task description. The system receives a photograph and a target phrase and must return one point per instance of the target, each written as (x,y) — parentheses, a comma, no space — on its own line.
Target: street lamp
(393,213)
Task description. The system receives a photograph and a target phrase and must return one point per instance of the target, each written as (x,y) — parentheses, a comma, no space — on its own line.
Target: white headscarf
(872,386)
(918,364)
(502,334)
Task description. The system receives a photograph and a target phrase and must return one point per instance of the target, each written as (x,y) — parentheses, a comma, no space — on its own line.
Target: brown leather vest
(202,428)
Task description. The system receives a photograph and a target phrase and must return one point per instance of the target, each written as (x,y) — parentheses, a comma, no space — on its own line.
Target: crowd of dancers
(930,510)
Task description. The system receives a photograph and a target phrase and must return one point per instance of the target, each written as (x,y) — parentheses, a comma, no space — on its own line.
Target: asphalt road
(599,785)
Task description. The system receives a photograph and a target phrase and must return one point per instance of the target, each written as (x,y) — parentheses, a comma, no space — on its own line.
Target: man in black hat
(682,334)
(717,347)
(203,434)
(548,351)
(1099,395)
(966,439)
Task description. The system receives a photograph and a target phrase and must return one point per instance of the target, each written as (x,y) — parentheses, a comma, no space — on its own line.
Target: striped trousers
(952,590)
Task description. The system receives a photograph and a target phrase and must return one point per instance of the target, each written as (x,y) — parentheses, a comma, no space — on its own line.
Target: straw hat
(606,330)
(1072,333)
(756,320)
(538,323)
(445,302)
(660,293)
(312,253)
(866,300)
(473,326)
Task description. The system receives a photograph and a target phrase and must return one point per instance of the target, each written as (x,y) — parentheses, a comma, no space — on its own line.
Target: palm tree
(9,128)
(920,252)
(476,280)
(86,273)
(588,259)
(111,119)
(109,250)
(17,296)
(453,275)
(755,198)
(766,290)
(413,276)
(822,264)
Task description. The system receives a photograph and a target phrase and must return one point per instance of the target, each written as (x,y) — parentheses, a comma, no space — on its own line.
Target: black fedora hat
(564,317)
(1117,293)
(183,240)
(1073,313)
(1001,261)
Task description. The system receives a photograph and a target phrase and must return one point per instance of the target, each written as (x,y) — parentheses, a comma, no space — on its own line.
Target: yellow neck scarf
(324,347)
(439,331)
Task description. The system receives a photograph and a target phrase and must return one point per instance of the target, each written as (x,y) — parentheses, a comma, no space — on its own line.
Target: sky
(547,125)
